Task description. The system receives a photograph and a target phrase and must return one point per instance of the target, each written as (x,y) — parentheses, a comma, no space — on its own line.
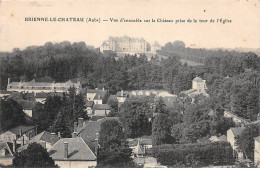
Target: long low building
(46,87)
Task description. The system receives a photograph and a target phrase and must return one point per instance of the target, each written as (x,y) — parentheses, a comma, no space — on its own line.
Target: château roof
(33,83)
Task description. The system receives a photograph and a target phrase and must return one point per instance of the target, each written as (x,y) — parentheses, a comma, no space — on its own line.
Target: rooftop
(237,130)
(101,107)
(27,104)
(78,150)
(257,139)
(198,79)
(17,129)
(4,145)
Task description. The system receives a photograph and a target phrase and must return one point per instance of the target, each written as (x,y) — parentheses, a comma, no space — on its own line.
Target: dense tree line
(195,155)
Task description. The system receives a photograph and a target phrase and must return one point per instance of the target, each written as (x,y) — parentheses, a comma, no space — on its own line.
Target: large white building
(46,87)
(124,44)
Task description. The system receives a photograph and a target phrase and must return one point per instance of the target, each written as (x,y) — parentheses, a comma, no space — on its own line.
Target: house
(101,109)
(6,154)
(37,87)
(27,106)
(45,138)
(73,153)
(257,151)
(232,134)
(198,87)
(89,130)
(96,95)
(41,97)
(121,96)
(16,133)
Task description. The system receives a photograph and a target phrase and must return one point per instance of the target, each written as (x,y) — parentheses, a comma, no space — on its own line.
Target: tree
(35,156)
(113,103)
(61,125)
(134,114)
(11,114)
(114,150)
(246,140)
(161,130)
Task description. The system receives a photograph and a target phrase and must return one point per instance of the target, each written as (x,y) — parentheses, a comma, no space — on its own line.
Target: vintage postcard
(129,84)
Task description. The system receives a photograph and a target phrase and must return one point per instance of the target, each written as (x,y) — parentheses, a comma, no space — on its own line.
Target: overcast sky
(244,31)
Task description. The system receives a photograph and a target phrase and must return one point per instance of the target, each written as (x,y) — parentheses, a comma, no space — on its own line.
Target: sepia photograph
(129,84)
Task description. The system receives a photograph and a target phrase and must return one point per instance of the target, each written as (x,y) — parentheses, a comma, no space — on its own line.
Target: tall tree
(35,156)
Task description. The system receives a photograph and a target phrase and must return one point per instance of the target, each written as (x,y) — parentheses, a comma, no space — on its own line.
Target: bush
(195,155)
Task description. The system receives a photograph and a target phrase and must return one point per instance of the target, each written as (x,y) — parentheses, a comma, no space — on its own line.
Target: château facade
(125,44)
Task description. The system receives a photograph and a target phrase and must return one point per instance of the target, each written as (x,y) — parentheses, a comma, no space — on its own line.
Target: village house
(232,134)
(6,154)
(15,133)
(198,87)
(89,130)
(37,87)
(96,95)
(121,96)
(45,139)
(101,109)
(257,151)
(73,153)
(27,106)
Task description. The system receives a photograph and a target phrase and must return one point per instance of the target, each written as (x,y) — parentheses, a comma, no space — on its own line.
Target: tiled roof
(15,96)
(27,104)
(44,136)
(4,145)
(17,129)
(257,139)
(78,150)
(91,128)
(99,93)
(43,84)
(237,130)
(198,79)
(101,107)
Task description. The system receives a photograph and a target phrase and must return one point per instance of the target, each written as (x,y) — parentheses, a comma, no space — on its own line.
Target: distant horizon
(242,32)
(95,47)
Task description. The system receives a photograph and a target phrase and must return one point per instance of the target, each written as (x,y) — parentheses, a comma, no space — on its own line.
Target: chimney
(103,89)
(53,138)
(9,81)
(22,141)
(74,134)
(122,92)
(84,123)
(59,136)
(75,126)
(99,96)
(21,132)
(14,146)
(80,122)
(66,150)
(96,143)
(43,144)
